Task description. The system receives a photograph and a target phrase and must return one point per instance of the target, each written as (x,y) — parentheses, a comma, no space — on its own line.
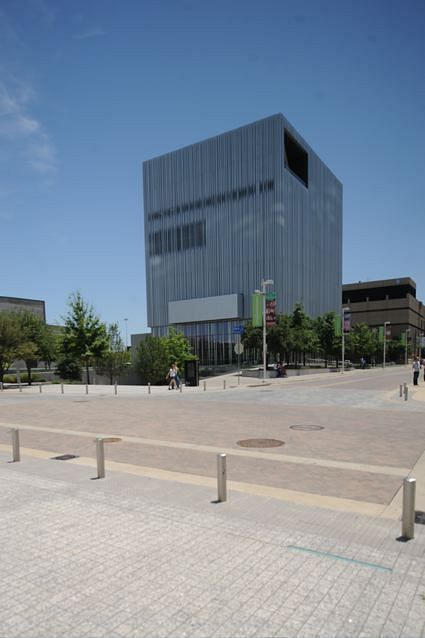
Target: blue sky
(89,90)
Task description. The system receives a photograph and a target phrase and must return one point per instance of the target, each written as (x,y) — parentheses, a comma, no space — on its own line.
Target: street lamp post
(126,333)
(386,323)
(344,310)
(420,337)
(405,345)
(264,283)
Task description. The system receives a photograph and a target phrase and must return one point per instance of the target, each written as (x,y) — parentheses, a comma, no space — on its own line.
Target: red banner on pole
(270,309)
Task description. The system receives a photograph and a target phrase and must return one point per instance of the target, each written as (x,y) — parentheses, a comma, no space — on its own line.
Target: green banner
(257,310)
(338,326)
(381,334)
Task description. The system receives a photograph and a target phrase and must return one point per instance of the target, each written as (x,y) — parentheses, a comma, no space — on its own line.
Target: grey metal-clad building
(223,214)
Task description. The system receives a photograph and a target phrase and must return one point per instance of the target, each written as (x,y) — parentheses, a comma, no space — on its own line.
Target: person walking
(171,376)
(177,378)
(416,367)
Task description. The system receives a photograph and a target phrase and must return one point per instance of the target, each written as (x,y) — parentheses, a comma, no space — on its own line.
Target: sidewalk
(146,551)
(132,556)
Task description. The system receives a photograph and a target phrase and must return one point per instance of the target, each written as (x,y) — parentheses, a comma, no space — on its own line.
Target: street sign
(238,348)
(237,330)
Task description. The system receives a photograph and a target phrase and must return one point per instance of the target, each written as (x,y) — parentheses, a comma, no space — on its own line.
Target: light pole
(264,283)
(344,310)
(405,345)
(386,323)
(420,336)
(126,333)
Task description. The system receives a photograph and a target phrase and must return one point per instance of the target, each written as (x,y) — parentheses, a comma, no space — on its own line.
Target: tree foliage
(297,334)
(329,344)
(35,341)
(361,341)
(152,360)
(9,340)
(84,339)
(156,354)
(116,358)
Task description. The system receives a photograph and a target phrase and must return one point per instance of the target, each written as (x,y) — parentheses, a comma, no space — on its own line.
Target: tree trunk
(29,373)
(87,374)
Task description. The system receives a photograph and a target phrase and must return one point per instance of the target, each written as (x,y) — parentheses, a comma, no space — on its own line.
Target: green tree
(324,326)
(396,350)
(280,337)
(49,345)
(34,340)
(177,347)
(10,339)
(252,339)
(360,341)
(116,358)
(304,337)
(156,354)
(84,338)
(152,360)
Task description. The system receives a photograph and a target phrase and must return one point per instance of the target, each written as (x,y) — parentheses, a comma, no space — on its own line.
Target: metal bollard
(181,387)
(87,388)
(401,390)
(16,454)
(408,515)
(224,384)
(40,388)
(149,388)
(205,386)
(221,478)
(62,390)
(100,457)
(406,392)
(116,388)
(239,379)
(1,386)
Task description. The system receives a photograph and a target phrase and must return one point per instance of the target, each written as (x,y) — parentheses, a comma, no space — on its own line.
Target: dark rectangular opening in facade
(296,158)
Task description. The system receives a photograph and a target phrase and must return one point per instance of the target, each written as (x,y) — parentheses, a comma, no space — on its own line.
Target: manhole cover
(261,443)
(306,428)
(64,457)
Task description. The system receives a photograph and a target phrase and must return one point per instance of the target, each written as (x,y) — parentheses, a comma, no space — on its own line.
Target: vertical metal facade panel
(222,214)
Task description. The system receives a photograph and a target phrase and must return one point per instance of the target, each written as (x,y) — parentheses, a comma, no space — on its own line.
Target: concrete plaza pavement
(348,441)
(305,545)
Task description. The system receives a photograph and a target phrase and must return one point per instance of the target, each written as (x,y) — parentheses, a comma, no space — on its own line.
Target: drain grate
(258,385)
(64,457)
(260,443)
(306,428)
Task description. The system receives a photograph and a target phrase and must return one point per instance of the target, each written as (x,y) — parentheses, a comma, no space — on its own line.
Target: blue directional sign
(237,330)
